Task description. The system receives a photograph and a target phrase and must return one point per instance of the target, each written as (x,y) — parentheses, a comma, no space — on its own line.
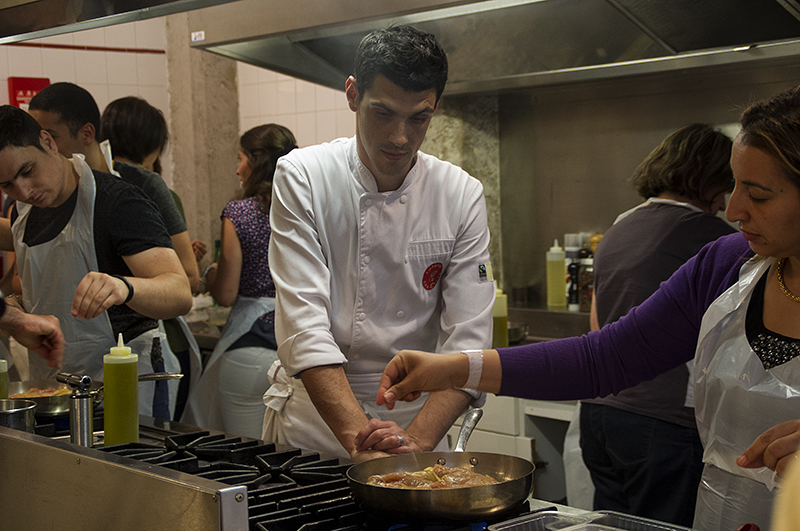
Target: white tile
(287,97)
(248,101)
(152,69)
(341,100)
(326,126)
(59,65)
(245,124)
(116,92)
(92,37)
(4,62)
(90,67)
(121,68)
(266,76)
(289,121)
(246,73)
(305,131)
(25,62)
(99,92)
(325,98)
(267,98)
(65,38)
(283,77)
(151,33)
(306,99)
(345,123)
(120,35)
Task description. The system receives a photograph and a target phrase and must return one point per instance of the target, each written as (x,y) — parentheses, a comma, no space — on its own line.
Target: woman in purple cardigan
(735,308)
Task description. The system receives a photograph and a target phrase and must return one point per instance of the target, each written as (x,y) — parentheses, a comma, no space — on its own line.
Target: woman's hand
(774,449)
(412,372)
(385,436)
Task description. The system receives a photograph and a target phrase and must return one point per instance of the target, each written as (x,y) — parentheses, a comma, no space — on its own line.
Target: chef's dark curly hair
(18,129)
(411,59)
(264,145)
(773,126)
(693,162)
(134,127)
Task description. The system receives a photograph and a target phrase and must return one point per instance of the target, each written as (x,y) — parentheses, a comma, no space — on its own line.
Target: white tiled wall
(314,113)
(107,75)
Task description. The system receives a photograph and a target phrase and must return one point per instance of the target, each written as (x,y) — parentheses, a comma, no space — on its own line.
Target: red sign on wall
(22,89)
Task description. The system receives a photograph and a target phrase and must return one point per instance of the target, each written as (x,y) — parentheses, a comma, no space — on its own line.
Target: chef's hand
(96,293)
(199,249)
(385,436)
(40,333)
(412,372)
(774,449)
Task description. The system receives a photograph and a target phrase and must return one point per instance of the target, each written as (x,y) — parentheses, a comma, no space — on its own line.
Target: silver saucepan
(433,505)
(57,405)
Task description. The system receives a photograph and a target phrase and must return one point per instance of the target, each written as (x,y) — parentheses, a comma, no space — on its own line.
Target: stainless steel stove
(178,477)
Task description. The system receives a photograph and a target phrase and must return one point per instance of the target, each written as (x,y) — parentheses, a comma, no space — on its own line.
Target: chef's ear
(351,91)
(86,134)
(47,141)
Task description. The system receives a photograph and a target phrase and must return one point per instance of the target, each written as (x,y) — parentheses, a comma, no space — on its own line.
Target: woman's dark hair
(411,59)
(134,127)
(692,162)
(773,126)
(263,146)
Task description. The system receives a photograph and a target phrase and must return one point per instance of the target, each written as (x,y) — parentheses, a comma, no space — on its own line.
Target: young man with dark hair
(92,250)
(375,247)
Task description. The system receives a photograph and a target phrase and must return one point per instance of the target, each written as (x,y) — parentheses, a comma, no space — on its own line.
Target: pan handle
(470,421)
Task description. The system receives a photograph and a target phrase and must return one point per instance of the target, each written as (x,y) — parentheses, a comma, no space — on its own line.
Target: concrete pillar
(204,131)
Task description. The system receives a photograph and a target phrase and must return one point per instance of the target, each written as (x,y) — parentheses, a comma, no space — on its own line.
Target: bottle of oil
(3,379)
(500,319)
(121,395)
(556,278)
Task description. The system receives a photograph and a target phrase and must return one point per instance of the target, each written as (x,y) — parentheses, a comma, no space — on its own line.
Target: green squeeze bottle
(3,379)
(121,395)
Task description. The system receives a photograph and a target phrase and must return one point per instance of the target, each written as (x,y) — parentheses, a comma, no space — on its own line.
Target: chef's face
(390,126)
(764,202)
(33,176)
(244,169)
(67,142)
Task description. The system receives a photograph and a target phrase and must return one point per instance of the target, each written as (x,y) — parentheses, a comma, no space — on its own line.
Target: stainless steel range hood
(496,45)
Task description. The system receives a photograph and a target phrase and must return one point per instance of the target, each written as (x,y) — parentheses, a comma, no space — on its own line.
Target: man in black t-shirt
(89,235)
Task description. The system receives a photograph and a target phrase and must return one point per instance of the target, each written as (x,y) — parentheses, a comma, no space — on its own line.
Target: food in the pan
(433,477)
(35,392)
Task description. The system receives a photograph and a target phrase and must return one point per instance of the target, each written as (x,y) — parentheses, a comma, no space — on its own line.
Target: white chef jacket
(361,274)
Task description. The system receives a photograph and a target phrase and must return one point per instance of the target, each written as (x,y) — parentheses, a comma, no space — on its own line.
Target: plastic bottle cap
(3,366)
(120,353)
(556,248)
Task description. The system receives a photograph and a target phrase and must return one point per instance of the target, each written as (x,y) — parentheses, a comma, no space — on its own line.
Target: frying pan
(48,406)
(434,505)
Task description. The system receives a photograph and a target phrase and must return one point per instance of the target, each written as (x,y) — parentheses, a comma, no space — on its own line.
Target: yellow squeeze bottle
(500,319)
(121,395)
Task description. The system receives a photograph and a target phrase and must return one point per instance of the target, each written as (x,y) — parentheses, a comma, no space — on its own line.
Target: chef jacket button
(400,314)
(355,356)
(368,202)
(366,259)
(405,259)
(403,199)
(362,316)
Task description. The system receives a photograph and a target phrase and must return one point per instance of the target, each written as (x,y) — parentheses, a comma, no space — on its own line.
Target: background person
(374,246)
(641,445)
(137,133)
(736,302)
(231,391)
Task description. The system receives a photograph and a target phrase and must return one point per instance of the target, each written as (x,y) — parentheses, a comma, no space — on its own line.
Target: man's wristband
(130,289)
(475,357)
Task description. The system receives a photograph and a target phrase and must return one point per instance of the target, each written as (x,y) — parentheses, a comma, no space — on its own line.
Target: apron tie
(280,389)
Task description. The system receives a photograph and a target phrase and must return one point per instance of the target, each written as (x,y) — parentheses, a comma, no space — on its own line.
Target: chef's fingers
(378,435)
(772,447)
(96,293)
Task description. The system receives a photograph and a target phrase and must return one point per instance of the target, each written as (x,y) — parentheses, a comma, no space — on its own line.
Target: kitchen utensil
(17,414)
(435,505)
(81,417)
(49,406)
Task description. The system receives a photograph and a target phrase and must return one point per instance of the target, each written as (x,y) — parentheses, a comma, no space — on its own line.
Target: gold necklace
(784,289)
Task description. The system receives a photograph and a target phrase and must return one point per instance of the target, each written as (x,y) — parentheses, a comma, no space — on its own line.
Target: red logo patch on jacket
(431,276)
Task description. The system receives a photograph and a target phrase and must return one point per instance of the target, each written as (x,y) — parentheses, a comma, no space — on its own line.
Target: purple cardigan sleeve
(652,338)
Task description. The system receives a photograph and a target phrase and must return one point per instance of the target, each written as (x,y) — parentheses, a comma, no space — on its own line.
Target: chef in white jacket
(375,247)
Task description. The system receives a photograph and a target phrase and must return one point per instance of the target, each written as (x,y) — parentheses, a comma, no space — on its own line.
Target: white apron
(292,419)
(68,258)
(202,408)
(736,400)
